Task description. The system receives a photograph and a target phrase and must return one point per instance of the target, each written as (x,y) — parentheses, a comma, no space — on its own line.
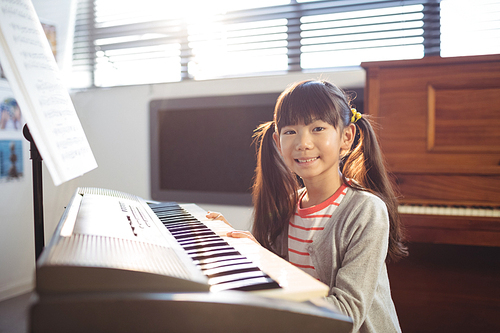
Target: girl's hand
(217,216)
(242,234)
(235,233)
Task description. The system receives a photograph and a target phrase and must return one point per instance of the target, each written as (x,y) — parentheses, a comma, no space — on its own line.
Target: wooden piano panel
(397,96)
(465,230)
(449,189)
(439,130)
(462,120)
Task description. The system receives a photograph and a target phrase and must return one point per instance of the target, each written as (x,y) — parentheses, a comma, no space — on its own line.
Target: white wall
(16,202)
(115,121)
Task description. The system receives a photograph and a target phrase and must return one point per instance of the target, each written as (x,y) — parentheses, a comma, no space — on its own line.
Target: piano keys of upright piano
(449,210)
(441,224)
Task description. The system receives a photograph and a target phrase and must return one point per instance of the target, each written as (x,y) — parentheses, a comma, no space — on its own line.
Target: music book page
(34,77)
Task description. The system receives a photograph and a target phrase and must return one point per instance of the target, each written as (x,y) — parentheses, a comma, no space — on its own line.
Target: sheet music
(34,77)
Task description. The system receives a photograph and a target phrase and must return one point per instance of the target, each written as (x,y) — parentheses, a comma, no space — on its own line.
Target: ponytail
(365,164)
(274,190)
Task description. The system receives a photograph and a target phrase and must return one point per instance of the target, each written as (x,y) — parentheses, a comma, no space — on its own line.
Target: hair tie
(355,115)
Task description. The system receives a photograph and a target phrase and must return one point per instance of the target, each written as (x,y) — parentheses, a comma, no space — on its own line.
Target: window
(152,41)
(470,27)
(348,38)
(230,49)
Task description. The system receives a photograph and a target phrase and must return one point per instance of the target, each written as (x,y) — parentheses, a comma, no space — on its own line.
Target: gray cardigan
(349,256)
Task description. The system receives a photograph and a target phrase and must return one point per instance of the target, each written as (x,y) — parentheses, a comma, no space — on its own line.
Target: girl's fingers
(242,234)
(217,216)
(212,215)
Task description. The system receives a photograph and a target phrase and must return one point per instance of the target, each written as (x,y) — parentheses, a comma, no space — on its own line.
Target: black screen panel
(201,148)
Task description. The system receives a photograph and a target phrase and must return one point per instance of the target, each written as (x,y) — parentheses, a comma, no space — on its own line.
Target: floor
(14,314)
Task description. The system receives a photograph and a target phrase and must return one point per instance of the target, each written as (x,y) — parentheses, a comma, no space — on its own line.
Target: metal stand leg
(37,193)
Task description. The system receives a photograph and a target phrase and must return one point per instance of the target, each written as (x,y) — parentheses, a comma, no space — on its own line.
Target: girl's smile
(308,160)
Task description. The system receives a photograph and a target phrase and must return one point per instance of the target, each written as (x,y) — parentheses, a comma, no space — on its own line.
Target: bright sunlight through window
(470,27)
(154,41)
(347,39)
(216,49)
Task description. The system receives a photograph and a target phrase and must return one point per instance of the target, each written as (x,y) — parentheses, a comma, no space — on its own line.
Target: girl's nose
(304,142)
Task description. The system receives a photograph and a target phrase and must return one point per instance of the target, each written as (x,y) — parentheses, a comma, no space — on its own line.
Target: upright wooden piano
(439,128)
(440,132)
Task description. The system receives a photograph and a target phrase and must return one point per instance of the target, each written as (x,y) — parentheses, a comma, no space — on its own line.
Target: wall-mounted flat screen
(201,148)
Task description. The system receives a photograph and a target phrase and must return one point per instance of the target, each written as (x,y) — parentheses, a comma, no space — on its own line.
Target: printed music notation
(33,74)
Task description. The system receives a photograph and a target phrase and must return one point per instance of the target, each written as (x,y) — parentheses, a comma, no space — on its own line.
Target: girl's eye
(289,132)
(318,129)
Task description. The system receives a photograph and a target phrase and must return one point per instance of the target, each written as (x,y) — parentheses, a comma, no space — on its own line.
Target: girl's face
(313,151)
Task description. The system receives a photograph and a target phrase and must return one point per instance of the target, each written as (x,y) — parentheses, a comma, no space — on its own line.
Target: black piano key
(193,249)
(192,232)
(217,259)
(197,240)
(195,234)
(215,254)
(164,207)
(177,220)
(188,230)
(185,226)
(201,245)
(176,223)
(179,225)
(167,210)
(209,249)
(236,277)
(258,283)
(178,217)
(230,262)
(230,270)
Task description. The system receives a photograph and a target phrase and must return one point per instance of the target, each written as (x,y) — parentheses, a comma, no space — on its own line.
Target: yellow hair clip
(355,115)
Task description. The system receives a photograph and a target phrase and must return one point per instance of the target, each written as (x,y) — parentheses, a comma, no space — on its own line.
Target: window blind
(148,41)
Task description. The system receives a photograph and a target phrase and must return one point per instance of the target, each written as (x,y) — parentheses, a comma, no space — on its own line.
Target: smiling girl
(323,201)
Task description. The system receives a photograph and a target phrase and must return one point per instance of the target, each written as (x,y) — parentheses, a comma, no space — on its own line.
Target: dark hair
(275,186)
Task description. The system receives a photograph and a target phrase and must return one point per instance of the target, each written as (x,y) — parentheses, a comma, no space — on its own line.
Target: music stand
(37,193)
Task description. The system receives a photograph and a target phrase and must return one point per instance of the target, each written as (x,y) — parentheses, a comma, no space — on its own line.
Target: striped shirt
(306,223)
